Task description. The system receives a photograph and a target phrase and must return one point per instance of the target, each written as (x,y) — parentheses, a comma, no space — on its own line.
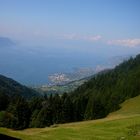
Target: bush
(7,119)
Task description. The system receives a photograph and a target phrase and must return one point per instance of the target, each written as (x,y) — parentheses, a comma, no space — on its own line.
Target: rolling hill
(123,124)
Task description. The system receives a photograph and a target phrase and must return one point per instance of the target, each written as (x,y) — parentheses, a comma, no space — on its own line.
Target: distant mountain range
(6,42)
(55,66)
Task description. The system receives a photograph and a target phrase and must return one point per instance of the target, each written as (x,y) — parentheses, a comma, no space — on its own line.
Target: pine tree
(20,109)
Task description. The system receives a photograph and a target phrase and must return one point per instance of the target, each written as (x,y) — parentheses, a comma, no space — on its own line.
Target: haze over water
(55,36)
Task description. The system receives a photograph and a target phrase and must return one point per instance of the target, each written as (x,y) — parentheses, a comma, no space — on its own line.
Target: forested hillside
(123,124)
(10,87)
(94,99)
(104,93)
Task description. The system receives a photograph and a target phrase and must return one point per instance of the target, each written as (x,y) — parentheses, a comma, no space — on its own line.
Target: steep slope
(122,124)
(9,87)
(130,107)
(104,92)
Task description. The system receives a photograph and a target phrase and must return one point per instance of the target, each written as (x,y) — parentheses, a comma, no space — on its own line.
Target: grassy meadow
(123,124)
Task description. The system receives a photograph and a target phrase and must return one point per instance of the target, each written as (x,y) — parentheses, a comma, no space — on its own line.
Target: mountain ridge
(6,42)
(10,87)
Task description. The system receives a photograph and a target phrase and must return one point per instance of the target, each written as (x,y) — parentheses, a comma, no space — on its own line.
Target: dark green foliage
(20,110)
(35,105)
(33,122)
(57,109)
(7,119)
(4,101)
(44,117)
(94,99)
(10,87)
(107,90)
(79,106)
(67,109)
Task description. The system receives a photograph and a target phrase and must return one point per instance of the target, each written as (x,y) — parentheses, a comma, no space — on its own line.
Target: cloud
(81,37)
(69,36)
(125,42)
(94,38)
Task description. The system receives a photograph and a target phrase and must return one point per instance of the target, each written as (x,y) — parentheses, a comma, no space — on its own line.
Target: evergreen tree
(44,117)
(4,101)
(67,109)
(20,109)
(57,109)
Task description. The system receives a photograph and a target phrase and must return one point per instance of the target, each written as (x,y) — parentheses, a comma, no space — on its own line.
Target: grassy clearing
(123,124)
(130,107)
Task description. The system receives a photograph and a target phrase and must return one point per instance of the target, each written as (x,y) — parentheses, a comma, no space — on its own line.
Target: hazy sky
(59,35)
(108,21)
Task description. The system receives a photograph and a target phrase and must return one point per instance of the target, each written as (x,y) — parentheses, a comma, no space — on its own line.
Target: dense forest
(94,99)
(10,87)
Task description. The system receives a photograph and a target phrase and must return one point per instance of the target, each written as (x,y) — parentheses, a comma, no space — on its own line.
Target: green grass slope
(129,108)
(123,124)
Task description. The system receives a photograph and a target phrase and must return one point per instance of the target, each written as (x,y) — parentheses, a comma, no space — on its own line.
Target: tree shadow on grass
(5,137)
